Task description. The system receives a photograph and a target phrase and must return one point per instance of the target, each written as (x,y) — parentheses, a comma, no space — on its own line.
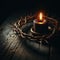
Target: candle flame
(41,19)
(41,16)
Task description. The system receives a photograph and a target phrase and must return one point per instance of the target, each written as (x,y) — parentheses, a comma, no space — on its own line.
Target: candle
(40,24)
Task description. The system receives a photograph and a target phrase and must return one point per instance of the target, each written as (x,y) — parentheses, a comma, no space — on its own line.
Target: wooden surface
(13,47)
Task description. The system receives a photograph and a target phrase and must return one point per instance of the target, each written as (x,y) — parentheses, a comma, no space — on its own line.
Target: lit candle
(40,24)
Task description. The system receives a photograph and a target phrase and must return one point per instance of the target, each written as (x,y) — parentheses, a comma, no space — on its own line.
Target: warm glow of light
(41,19)
(41,16)
(43,22)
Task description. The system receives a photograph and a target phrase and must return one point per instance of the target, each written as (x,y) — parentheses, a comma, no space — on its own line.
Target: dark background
(51,7)
(8,7)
